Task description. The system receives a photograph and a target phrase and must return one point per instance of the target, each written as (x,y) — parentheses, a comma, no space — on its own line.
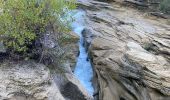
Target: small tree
(24,21)
(165,6)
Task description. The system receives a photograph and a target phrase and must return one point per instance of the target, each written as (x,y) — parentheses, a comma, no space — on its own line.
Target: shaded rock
(2,48)
(72,49)
(138,3)
(74,90)
(70,87)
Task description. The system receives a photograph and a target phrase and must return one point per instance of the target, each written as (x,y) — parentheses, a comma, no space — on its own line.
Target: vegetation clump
(23,22)
(165,6)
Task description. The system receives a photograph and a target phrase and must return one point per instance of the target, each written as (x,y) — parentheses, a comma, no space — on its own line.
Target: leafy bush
(165,6)
(24,21)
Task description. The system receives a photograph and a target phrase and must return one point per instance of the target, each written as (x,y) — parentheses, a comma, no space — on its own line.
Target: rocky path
(130,52)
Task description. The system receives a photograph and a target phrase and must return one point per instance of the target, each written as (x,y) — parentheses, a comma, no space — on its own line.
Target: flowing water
(83,70)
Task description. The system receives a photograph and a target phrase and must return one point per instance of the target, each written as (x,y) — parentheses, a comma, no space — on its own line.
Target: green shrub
(24,21)
(165,6)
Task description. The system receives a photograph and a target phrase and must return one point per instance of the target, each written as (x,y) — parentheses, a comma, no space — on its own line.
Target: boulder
(27,81)
(74,90)
(70,87)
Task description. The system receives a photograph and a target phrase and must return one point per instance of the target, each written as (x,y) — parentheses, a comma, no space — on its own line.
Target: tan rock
(27,81)
(124,70)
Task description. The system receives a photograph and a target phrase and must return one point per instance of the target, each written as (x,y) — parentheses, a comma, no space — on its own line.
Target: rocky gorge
(129,50)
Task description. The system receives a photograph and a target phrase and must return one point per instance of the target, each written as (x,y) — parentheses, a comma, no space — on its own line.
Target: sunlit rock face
(27,81)
(129,51)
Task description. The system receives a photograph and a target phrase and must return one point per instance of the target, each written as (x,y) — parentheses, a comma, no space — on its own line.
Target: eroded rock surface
(130,52)
(70,86)
(50,80)
(27,81)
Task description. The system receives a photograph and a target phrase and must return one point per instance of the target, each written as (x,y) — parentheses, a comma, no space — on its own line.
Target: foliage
(24,21)
(165,6)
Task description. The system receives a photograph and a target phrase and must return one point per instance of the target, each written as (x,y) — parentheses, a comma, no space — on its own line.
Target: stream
(83,70)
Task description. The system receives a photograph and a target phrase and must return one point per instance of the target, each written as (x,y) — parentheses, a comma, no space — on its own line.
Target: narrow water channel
(83,70)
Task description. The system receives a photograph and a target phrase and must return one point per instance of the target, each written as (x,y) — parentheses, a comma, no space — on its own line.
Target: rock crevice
(129,52)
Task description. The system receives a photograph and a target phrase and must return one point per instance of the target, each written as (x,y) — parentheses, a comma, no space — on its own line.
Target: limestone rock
(27,81)
(130,52)
(155,68)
